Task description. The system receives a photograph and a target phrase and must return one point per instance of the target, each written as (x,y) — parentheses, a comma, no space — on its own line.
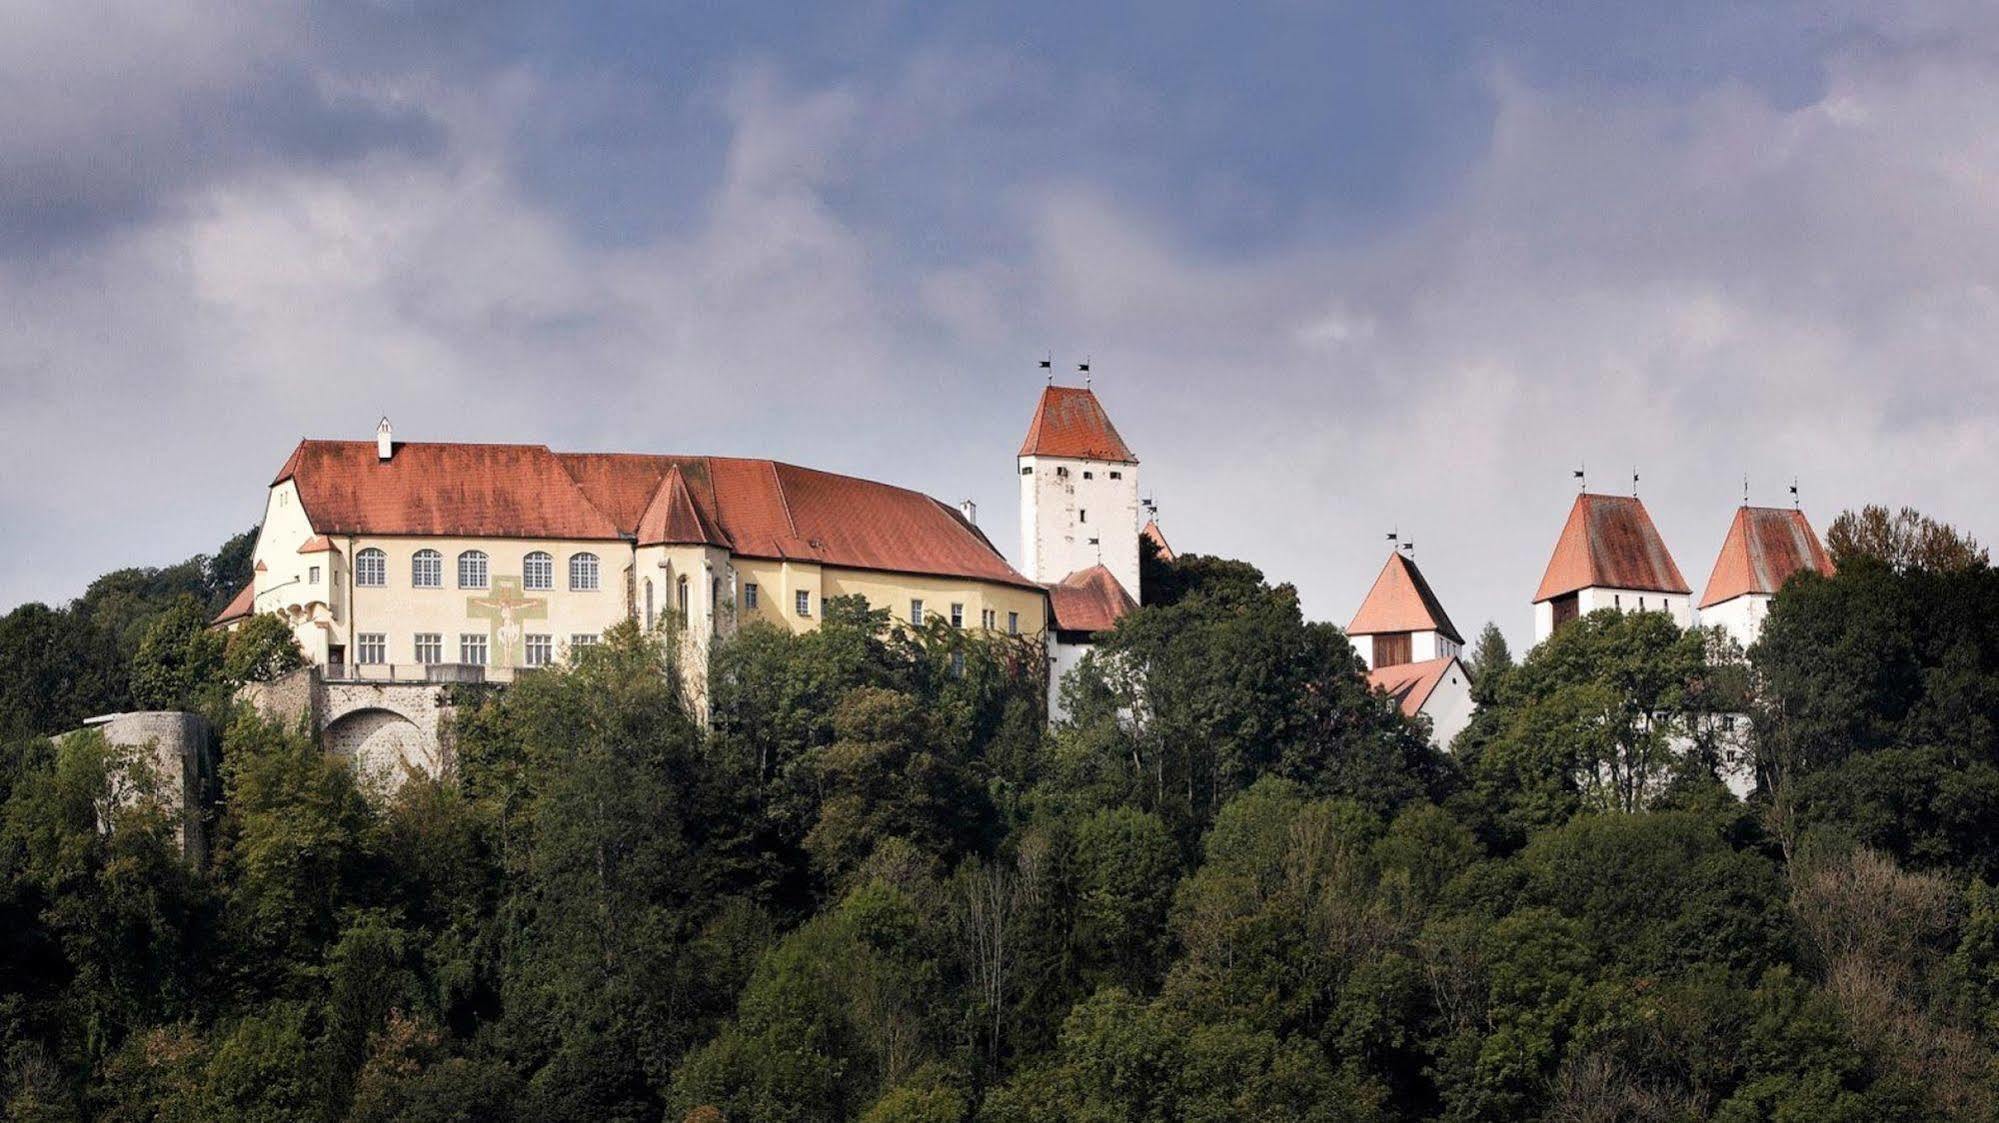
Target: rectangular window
(1089,475)
(1013,623)
(1026,470)
(957,616)
(429,647)
(540,650)
(1082,516)
(916,613)
(1117,475)
(582,639)
(804,603)
(472,649)
(312,575)
(988,618)
(750,595)
(1062,472)
(371,648)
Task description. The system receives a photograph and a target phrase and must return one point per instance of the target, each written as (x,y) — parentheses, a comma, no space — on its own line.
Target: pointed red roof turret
(1609,542)
(1069,421)
(1158,539)
(674,519)
(1765,546)
(1401,601)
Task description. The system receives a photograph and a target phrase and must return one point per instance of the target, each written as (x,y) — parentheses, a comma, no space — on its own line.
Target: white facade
(1677,605)
(1078,513)
(1449,706)
(1741,617)
(1062,658)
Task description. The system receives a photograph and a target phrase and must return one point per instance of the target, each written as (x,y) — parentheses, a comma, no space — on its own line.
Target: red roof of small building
(1401,601)
(1158,538)
(240,606)
(1764,547)
(1089,600)
(317,544)
(1609,542)
(757,508)
(1411,684)
(1069,421)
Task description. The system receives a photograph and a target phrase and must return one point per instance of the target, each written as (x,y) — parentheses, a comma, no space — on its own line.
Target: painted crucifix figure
(506,606)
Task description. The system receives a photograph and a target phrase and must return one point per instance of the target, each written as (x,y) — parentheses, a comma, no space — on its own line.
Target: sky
(1340,269)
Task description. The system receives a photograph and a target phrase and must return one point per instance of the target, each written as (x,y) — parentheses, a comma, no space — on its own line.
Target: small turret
(385,440)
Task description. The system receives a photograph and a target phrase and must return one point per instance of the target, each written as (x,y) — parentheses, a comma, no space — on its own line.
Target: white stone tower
(1078,492)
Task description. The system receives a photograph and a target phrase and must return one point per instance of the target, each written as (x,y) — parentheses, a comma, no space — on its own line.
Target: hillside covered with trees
(1235,885)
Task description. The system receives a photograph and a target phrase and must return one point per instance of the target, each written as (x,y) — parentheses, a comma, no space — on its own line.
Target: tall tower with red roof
(1765,546)
(1078,492)
(1609,556)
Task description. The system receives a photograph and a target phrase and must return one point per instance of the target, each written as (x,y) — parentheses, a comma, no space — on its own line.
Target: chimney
(385,443)
(970,510)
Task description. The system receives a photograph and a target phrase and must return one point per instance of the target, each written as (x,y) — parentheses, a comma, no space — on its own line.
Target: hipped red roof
(1069,421)
(239,606)
(1089,600)
(1401,601)
(1609,542)
(757,508)
(1411,684)
(1765,546)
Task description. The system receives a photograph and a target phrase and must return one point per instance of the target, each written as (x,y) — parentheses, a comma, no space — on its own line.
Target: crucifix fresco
(505,607)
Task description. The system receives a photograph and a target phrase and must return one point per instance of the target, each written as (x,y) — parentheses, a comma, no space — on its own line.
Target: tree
(261,648)
(1904,541)
(178,660)
(1490,659)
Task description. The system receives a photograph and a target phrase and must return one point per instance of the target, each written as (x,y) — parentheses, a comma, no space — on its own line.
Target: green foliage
(262,648)
(1234,885)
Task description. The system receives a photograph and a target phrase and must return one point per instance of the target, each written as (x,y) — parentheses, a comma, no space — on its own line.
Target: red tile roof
(1158,538)
(1401,601)
(673,518)
(317,544)
(468,490)
(240,606)
(1411,684)
(1610,542)
(1765,546)
(1069,421)
(1089,600)
(758,508)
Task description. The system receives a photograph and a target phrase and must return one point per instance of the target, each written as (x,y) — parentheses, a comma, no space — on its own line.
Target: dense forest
(875,885)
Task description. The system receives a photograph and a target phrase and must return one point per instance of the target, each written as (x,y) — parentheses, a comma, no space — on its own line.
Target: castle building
(1609,556)
(1764,548)
(409,562)
(1079,527)
(1411,648)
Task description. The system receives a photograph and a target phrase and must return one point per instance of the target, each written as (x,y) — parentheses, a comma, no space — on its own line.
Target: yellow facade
(337,618)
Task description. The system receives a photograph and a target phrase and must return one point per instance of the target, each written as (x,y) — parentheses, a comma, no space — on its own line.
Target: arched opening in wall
(383,746)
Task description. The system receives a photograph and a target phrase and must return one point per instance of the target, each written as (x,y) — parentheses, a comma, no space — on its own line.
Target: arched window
(427,569)
(582,573)
(683,598)
(538,571)
(371,568)
(472,569)
(648,604)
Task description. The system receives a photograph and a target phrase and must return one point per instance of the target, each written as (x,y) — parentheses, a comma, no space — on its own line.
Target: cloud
(861,267)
